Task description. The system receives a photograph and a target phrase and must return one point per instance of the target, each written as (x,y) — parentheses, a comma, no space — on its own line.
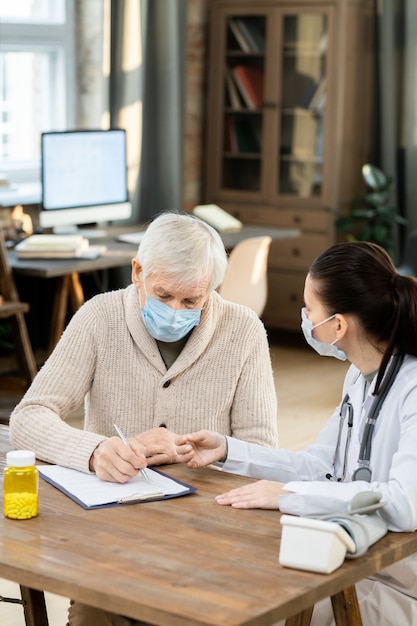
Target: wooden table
(180,562)
(69,290)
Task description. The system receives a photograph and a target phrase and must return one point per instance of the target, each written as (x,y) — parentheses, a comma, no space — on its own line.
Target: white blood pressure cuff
(364,530)
(321,545)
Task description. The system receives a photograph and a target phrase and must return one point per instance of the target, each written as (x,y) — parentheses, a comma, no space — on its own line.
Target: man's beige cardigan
(222,380)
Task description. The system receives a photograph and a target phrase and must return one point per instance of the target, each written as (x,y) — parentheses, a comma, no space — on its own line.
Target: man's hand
(159,444)
(115,462)
(201,448)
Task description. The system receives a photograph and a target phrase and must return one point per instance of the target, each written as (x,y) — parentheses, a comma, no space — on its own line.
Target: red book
(230,136)
(250,81)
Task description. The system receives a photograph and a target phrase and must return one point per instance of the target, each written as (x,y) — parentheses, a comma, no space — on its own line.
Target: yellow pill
(21,505)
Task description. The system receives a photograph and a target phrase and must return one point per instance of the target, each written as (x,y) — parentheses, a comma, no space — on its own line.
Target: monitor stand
(93,233)
(88,233)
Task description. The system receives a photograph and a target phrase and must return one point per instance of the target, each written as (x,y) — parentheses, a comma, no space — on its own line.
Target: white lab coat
(390,597)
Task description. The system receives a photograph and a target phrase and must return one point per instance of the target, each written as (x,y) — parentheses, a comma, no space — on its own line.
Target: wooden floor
(308,388)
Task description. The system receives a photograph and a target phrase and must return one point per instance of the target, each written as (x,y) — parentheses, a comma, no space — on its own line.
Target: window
(36,80)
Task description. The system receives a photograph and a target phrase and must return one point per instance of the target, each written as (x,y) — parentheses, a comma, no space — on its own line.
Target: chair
(246,276)
(12,308)
(408,266)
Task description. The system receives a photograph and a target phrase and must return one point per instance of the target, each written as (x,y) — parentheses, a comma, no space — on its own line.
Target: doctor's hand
(114,461)
(201,448)
(263,494)
(159,445)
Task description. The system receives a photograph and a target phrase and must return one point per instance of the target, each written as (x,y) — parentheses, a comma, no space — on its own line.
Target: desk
(67,271)
(118,254)
(180,562)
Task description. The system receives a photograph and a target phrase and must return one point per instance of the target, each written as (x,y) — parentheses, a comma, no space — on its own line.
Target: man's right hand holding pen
(114,461)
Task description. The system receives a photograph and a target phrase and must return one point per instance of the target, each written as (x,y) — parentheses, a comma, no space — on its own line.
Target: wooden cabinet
(289,124)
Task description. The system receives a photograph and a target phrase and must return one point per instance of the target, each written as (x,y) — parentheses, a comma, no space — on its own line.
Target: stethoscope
(363,471)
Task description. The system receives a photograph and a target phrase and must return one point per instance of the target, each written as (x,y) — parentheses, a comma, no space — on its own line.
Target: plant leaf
(373,176)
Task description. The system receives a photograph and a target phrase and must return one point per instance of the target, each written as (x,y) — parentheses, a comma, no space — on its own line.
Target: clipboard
(90,492)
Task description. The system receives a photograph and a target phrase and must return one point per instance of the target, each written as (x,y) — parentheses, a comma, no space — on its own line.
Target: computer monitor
(84,178)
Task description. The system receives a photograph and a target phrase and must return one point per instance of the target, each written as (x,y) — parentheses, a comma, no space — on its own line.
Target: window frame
(37,36)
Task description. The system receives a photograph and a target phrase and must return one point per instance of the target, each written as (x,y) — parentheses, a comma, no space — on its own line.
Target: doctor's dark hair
(360,278)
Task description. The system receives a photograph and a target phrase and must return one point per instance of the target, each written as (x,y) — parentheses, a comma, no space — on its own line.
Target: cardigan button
(167,383)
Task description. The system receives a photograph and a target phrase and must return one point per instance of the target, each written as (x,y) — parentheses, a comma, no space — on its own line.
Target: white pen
(125,441)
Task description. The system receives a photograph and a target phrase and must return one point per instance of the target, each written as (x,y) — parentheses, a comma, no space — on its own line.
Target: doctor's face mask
(321,347)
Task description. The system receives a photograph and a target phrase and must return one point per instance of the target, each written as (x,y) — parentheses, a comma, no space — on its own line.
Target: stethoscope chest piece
(362,473)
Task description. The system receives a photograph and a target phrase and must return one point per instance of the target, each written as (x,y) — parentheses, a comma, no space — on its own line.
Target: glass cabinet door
(244,72)
(270,104)
(303,89)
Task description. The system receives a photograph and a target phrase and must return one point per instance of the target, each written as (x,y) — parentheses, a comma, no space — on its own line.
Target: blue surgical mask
(166,324)
(323,348)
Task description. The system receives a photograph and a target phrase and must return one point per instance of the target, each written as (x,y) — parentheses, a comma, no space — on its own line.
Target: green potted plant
(371,216)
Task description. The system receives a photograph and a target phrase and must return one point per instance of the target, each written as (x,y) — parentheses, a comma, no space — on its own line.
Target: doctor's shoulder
(407,376)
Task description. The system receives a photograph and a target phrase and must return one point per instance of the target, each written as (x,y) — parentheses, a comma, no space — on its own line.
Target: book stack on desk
(52,247)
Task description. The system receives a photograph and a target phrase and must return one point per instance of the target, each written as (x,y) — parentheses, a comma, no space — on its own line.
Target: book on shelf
(246,138)
(232,91)
(309,29)
(242,135)
(230,135)
(319,147)
(318,99)
(308,94)
(300,177)
(251,30)
(238,35)
(250,81)
(298,133)
(323,42)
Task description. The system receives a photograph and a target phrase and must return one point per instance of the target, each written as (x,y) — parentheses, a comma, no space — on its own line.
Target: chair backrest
(7,285)
(246,276)
(13,309)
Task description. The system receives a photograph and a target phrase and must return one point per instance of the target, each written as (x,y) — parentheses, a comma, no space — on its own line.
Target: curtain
(410,115)
(396,104)
(146,87)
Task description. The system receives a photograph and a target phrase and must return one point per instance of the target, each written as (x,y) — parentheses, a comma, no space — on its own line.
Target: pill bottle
(20,485)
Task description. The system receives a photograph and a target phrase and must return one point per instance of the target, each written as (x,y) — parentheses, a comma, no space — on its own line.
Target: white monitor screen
(81,170)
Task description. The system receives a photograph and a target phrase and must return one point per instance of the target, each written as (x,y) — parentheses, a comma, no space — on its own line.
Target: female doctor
(356,307)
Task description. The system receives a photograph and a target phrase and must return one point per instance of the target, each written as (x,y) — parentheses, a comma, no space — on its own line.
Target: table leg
(346,608)
(59,310)
(76,292)
(68,287)
(34,607)
(301,619)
